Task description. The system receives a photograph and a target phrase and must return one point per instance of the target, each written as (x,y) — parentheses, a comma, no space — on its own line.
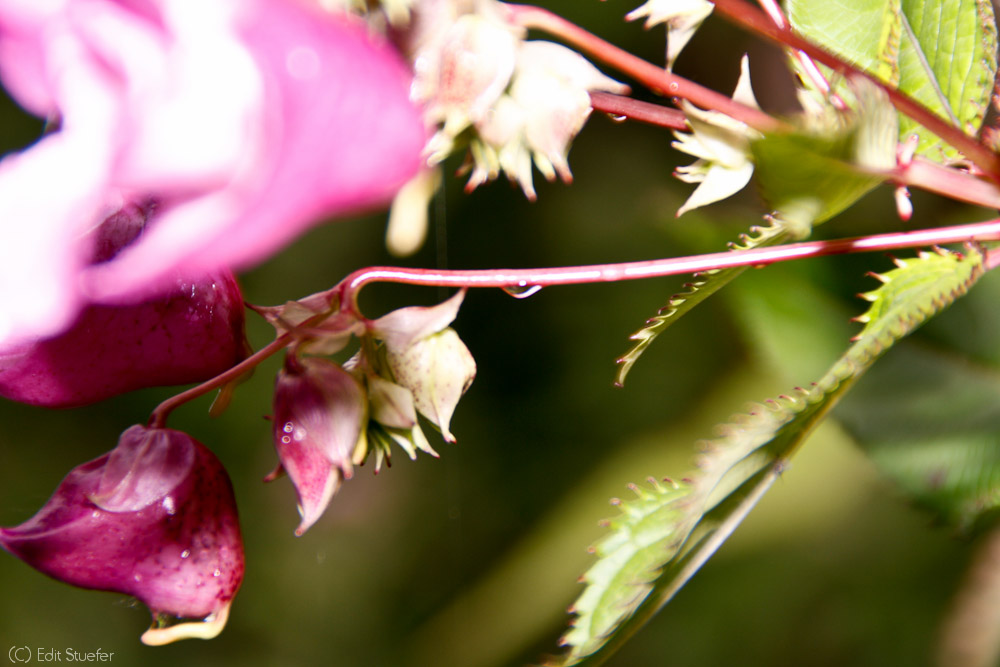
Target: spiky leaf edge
(755,449)
(704,285)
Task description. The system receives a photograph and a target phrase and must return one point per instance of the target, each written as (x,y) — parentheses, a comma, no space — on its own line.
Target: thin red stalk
(573,275)
(533,279)
(626,107)
(948,182)
(158,417)
(754,20)
(655,78)
(773,11)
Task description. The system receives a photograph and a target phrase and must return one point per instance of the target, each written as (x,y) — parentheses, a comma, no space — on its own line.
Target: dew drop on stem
(521,290)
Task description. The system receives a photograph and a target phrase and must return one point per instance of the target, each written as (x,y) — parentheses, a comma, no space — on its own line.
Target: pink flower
(320,411)
(154,518)
(247,120)
(191,333)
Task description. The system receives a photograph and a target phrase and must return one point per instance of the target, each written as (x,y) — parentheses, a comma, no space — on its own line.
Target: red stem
(948,182)
(654,114)
(573,275)
(533,279)
(754,20)
(655,78)
(158,418)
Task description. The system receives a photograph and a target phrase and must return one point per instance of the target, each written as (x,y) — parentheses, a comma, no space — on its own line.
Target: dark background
(472,559)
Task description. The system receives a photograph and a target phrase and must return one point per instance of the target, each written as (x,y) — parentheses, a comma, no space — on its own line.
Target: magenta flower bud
(319,414)
(189,334)
(154,518)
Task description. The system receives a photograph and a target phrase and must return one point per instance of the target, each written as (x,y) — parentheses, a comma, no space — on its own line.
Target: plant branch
(530,280)
(948,182)
(158,418)
(653,77)
(750,18)
(646,112)
(524,282)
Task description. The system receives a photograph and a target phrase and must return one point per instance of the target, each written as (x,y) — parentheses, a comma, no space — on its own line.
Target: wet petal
(167,532)
(319,413)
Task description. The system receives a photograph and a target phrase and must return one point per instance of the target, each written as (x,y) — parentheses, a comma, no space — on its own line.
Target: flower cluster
(185,141)
(512,100)
(328,418)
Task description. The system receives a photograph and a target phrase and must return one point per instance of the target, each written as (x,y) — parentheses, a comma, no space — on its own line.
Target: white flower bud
(681,16)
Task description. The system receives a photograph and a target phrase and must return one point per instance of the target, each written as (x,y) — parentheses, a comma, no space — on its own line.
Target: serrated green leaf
(942,53)
(738,467)
(703,285)
(650,527)
(806,177)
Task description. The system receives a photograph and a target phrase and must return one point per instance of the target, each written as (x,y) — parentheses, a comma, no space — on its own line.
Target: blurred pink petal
(191,333)
(249,121)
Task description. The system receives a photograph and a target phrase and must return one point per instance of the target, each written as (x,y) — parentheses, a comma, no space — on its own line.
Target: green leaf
(806,177)
(809,179)
(704,285)
(811,174)
(930,420)
(940,52)
(664,537)
(650,526)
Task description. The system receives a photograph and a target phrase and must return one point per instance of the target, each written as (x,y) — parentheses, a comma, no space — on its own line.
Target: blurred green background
(472,559)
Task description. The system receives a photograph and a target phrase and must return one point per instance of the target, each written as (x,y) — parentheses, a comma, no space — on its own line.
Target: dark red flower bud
(190,334)
(154,518)
(319,415)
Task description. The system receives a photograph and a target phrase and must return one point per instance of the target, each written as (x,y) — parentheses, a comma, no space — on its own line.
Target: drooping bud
(189,334)
(438,370)
(463,73)
(722,146)
(154,518)
(428,358)
(319,413)
(683,17)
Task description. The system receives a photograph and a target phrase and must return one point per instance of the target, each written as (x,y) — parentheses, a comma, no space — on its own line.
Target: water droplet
(288,427)
(137,577)
(185,553)
(169,506)
(285,439)
(618,117)
(217,573)
(522,290)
